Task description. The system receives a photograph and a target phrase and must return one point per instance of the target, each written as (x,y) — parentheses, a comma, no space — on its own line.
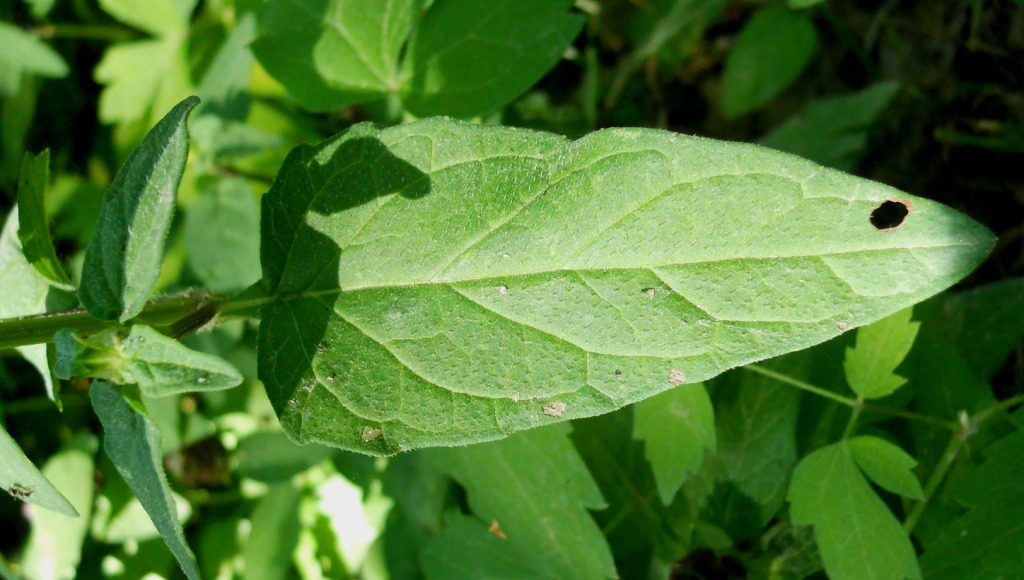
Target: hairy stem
(40,328)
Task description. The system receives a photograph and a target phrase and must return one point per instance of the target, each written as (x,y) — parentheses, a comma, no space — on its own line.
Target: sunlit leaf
(124,256)
(440,283)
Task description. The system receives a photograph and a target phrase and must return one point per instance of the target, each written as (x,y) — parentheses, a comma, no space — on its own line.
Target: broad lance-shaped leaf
(123,259)
(36,243)
(132,441)
(442,283)
(158,364)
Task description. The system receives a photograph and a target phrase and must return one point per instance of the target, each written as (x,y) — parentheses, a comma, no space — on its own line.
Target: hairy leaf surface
(123,259)
(132,441)
(441,283)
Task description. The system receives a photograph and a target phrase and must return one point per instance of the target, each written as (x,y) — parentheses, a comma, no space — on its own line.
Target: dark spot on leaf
(889,215)
(19,491)
(618,372)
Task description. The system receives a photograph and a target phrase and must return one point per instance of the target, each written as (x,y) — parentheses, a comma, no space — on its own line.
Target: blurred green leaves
(771,51)
(146,76)
(23,53)
(464,58)
(33,227)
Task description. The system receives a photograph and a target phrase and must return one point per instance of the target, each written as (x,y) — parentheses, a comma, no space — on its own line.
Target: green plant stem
(851,402)
(848,401)
(854,414)
(948,456)
(40,328)
(87,32)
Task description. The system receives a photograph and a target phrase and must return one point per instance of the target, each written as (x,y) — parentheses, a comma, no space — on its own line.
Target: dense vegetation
(500,329)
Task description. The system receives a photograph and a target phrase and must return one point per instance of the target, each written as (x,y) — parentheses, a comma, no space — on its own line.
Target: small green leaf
(132,441)
(123,259)
(33,231)
(985,542)
(25,292)
(769,54)
(54,547)
(833,131)
(442,283)
(677,427)
(23,53)
(887,465)
(20,478)
(857,535)
(222,235)
(331,53)
(881,347)
(799,4)
(158,364)
(532,491)
(469,57)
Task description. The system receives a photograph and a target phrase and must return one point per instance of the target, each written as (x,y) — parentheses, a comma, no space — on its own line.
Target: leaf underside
(440,283)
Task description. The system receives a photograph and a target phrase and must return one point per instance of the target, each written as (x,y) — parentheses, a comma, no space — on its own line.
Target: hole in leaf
(889,215)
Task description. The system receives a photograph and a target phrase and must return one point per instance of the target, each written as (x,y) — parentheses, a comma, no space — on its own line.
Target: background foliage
(900,444)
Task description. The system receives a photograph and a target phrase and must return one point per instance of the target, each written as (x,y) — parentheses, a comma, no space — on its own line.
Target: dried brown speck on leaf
(495,529)
(676,377)
(554,409)
(370,434)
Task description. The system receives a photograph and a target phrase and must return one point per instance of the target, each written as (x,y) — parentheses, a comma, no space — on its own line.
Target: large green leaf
(132,441)
(330,53)
(441,283)
(124,256)
(33,231)
(857,535)
(532,492)
(470,57)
